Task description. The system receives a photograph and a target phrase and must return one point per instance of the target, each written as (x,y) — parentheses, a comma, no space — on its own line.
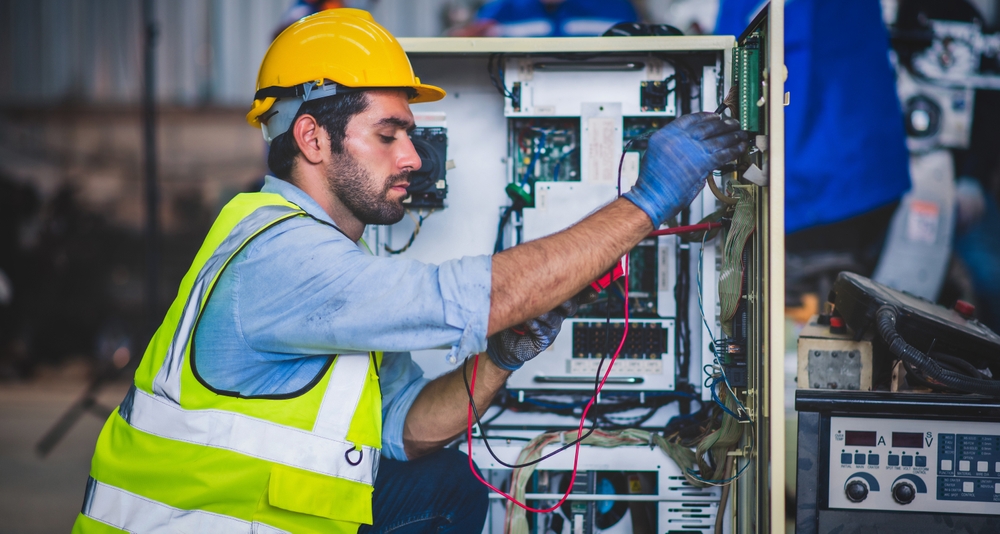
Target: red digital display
(909,440)
(861,439)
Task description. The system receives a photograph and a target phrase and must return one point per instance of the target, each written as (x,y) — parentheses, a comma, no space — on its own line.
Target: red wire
(685,229)
(579,432)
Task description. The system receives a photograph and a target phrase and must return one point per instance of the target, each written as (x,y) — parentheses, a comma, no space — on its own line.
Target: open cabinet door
(771,366)
(774,366)
(757,100)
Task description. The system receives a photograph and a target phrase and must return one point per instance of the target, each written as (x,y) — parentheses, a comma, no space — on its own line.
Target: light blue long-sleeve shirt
(302,290)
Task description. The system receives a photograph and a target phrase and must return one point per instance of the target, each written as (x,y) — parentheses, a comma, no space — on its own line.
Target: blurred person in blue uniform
(548,18)
(976,242)
(847,163)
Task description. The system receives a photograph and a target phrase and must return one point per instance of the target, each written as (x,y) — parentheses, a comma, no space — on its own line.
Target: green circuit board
(543,150)
(747,73)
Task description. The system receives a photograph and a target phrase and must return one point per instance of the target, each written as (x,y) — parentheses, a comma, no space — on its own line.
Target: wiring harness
(707,465)
(886,321)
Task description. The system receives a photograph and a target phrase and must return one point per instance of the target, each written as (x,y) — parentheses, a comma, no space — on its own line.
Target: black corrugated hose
(886,321)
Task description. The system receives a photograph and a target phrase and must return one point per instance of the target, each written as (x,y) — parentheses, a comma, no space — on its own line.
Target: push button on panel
(983,467)
(946,465)
(846,457)
(907,461)
(964,465)
(893,459)
(921,461)
(859,459)
(872,459)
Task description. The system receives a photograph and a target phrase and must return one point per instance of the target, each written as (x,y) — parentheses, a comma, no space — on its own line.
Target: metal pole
(152,229)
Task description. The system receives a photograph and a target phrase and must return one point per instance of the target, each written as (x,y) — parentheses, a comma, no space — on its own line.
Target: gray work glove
(510,348)
(679,158)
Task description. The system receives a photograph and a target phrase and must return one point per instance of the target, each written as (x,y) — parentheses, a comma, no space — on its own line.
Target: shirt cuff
(465,288)
(394,419)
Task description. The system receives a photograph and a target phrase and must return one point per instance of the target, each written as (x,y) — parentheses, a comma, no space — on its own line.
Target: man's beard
(366,199)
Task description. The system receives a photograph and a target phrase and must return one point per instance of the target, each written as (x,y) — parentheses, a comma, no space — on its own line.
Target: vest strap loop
(347,456)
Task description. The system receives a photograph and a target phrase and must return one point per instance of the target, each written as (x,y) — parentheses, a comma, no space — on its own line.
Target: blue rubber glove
(679,158)
(510,348)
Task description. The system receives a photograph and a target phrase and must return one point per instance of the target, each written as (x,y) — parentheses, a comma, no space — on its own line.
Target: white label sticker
(922,223)
(602,149)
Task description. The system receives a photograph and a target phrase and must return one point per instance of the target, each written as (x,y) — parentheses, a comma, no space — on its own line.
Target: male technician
(264,398)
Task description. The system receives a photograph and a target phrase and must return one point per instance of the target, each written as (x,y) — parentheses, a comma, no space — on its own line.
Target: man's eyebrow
(402,124)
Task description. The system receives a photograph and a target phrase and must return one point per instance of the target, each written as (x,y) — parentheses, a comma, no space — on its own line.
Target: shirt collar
(296,196)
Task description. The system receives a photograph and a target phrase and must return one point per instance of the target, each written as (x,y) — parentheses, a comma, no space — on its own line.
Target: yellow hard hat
(344,46)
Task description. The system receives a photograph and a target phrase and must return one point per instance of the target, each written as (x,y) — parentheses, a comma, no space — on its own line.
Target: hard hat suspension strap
(279,118)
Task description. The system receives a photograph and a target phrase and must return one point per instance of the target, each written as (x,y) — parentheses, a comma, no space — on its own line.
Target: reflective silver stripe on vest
(250,436)
(168,379)
(347,380)
(134,513)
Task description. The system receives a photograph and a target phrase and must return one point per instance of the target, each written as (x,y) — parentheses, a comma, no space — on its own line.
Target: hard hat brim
(427,93)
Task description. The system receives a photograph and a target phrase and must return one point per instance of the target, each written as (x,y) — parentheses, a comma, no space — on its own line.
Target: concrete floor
(44,495)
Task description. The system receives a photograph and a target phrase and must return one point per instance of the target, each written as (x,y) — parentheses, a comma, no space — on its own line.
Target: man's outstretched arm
(531,279)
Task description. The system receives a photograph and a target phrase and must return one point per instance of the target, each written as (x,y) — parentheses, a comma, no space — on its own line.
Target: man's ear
(310,137)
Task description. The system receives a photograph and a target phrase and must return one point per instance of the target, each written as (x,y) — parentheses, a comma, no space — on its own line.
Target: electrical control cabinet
(540,133)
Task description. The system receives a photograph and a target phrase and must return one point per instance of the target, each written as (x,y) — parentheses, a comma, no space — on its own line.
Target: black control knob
(904,492)
(856,491)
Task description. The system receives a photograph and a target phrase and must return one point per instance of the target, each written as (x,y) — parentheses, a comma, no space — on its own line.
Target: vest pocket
(310,493)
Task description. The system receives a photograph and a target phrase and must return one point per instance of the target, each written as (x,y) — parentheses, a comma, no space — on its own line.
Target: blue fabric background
(844,138)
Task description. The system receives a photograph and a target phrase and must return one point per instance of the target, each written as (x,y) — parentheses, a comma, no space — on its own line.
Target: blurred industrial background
(76,302)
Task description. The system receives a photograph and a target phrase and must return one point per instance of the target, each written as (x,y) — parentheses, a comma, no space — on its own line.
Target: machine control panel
(914,465)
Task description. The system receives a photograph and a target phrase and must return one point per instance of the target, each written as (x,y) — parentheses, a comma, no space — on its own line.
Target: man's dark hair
(332,113)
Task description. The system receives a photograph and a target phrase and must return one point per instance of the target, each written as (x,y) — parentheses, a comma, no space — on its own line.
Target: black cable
(957,364)
(504,219)
(685,80)
(947,362)
(472,402)
(597,385)
(635,421)
(511,438)
(498,84)
(503,408)
(610,405)
(913,377)
(682,291)
(886,320)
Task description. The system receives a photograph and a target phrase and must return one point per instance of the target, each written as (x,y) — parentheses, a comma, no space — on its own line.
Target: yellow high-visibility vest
(178,456)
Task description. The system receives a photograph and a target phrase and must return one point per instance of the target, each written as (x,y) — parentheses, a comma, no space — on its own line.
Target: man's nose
(408,158)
